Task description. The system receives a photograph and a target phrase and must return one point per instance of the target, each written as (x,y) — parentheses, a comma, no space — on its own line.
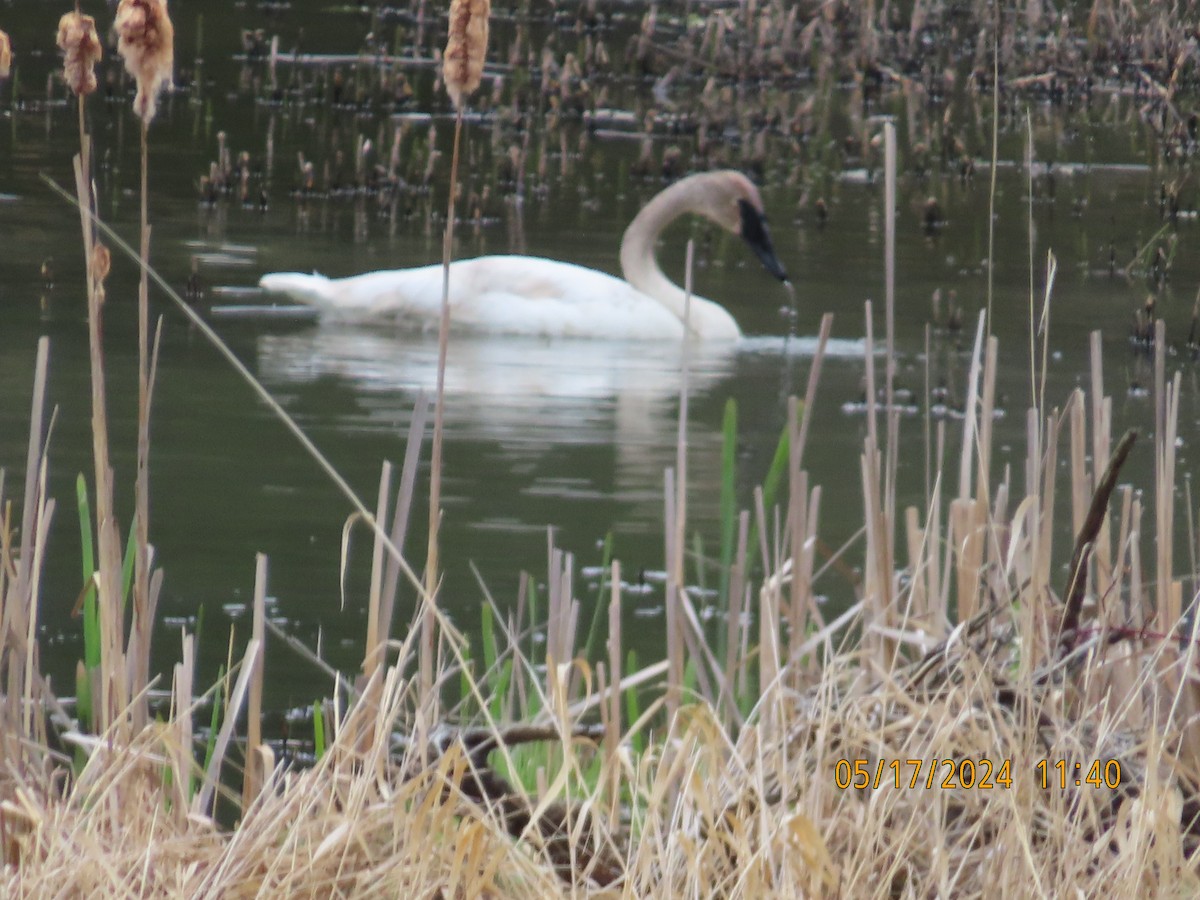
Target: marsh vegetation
(955,554)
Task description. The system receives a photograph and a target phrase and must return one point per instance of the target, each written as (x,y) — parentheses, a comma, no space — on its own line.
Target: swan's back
(494,294)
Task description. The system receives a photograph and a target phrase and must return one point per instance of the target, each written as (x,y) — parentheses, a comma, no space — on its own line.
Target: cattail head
(146,41)
(462,63)
(101,263)
(80,44)
(5,54)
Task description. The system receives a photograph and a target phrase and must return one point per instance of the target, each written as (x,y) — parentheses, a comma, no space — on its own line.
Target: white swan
(532,296)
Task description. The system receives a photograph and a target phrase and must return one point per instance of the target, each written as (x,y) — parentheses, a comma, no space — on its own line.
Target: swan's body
(524,295)
(529,295)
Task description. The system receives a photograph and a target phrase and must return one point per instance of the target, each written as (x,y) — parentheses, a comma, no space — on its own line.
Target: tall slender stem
(139,631)
(428,620)
(110,697)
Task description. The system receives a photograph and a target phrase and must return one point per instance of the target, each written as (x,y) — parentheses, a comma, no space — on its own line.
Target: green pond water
(541,435)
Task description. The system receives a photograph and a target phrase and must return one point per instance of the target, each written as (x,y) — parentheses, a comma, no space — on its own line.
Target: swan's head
(733,202)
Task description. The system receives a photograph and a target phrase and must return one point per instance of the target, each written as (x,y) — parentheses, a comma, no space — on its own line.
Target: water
(541,435)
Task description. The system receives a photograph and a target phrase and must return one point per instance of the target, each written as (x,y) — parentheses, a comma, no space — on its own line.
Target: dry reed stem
(184,764)
(252,780)
(375,638)
(676,530)
(21,588)
(78,40)
(404,499)
(110,693)
(142,615)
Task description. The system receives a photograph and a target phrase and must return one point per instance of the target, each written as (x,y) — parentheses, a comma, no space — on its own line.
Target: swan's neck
(705,318)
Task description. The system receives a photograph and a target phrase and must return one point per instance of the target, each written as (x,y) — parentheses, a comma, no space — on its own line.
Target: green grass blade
(600,610)
(700,557)
(727,514)
(87,545)
(91,632)
(487,627)
(466,675)
(214,727)
(633,706)
(127,565)
(318,730)
(533,617)
(83,710)
(728,505)
(770,488)
(500,692)
(91,622)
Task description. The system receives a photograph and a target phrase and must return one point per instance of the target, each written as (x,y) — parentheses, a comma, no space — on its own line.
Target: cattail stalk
(462,70)
(81,47)
(145,41)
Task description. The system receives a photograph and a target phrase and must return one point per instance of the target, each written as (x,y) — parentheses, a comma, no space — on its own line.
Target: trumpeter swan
(529,295)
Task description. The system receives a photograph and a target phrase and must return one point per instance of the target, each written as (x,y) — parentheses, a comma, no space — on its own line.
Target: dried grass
(709,808)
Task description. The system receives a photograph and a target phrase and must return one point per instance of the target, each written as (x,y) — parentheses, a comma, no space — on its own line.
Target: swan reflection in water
(532,397)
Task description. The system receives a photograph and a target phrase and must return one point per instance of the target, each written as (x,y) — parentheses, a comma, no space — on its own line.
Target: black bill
(755,233)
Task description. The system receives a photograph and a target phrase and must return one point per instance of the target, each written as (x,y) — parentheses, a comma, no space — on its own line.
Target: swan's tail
(312,290)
